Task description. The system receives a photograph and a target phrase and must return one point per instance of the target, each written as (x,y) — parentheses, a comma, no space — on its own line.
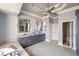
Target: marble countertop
(25,35)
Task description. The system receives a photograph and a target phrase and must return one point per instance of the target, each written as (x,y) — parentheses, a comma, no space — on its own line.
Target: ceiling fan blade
(51,9)
(54,14)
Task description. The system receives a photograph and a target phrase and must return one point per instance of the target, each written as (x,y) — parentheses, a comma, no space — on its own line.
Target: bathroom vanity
(30,31)
(32,39)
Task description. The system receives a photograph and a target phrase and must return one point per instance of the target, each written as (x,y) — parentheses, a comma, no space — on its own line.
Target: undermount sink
(8,52)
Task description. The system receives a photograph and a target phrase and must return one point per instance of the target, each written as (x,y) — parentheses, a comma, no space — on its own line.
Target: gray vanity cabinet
(30,40)
(23,41)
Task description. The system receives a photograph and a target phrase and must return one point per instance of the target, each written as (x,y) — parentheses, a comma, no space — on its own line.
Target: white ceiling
(40,8)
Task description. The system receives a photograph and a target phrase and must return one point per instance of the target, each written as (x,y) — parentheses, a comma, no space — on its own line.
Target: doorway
(67,31)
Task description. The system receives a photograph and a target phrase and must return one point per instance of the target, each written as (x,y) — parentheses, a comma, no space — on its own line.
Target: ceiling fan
(48,11)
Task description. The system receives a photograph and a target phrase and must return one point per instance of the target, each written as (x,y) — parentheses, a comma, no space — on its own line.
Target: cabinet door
(25,41)
(77,31)
(30,40)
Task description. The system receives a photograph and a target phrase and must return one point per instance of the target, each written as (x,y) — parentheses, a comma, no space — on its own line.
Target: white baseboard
(65,46)
(47,40)
(54,39)
(59,44)
(74,48)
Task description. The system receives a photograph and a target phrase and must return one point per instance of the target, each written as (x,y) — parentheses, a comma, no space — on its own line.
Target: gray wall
(65,17)
(53,28)
(8,27)
(3,27)
(55,31)
(48,28)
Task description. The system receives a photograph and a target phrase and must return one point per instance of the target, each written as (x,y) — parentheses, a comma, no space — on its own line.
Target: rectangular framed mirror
(24,25)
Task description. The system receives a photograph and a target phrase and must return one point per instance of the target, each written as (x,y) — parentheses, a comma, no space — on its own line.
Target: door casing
(72,35)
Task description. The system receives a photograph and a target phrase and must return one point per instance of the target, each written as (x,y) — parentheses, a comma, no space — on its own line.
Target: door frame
(66,27)
(74,40)
(70,34)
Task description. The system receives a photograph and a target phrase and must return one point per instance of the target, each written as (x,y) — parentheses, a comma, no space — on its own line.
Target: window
(24,25)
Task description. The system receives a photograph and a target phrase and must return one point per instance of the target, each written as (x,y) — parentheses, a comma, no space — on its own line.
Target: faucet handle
(24,34)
